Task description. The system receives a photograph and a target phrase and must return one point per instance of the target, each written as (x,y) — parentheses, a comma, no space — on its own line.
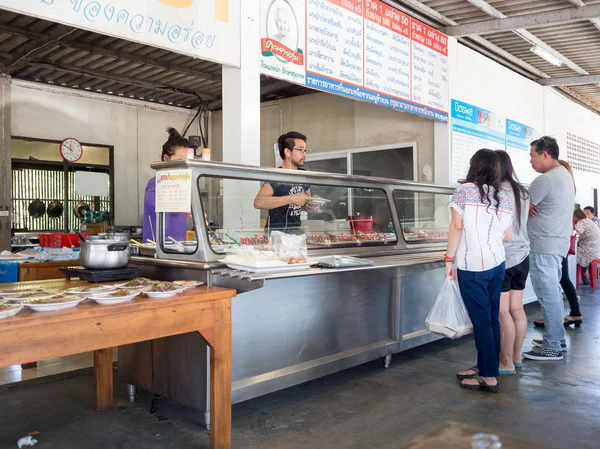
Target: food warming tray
(342,262)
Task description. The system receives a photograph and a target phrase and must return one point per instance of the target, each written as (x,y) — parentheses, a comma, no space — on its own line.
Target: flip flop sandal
(483,386)
(518,365)
(468,376)
(508,373)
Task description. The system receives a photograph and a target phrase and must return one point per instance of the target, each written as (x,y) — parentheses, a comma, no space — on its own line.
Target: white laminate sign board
(518,139)
(91,184)
(473,128)
(366,50)
(206,29)
(174,190)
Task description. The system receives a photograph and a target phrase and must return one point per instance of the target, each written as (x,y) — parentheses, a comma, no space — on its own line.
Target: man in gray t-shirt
(549,228)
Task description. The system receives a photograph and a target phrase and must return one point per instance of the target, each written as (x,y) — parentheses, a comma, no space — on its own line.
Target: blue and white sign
(206,29)
(518,140)
(473,128)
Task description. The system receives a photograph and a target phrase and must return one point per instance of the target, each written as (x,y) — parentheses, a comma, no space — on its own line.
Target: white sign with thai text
(174,190)
(206,29)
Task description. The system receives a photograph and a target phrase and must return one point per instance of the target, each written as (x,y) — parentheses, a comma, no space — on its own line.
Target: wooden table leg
(220,378)
(103,378)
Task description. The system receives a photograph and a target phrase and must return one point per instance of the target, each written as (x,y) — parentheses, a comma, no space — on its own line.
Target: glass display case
(339,214)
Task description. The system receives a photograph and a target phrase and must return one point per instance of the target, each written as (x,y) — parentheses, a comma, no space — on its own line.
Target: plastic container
(361,223)
(9,272)
(60,240)
(206,154)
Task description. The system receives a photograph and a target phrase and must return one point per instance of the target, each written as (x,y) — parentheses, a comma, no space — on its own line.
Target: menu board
(473,128)
(361,49)
(518,140)
(174,190)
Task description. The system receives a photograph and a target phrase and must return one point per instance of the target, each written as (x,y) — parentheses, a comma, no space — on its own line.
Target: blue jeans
(545,272)
(480,291)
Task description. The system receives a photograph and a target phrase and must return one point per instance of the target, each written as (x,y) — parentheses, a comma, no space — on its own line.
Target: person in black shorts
(285,201)
(513,321)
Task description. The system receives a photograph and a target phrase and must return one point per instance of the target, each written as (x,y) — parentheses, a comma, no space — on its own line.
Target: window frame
(340,154)
(68,167)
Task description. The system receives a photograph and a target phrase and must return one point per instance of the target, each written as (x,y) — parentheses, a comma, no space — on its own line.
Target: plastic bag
(290,248)
(449,316)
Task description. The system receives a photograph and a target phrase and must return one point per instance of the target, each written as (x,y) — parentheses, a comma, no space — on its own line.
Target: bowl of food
(29,295)
(116,297)
(316,205)
(8,310)
(53,303)
(161,290)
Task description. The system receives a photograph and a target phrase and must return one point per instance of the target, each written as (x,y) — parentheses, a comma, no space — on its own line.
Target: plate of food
(84,290)
(136,283)
(161,290)
(188,284)
(116,297)
(34,294)
(18,291)
(8,310)
(53,303)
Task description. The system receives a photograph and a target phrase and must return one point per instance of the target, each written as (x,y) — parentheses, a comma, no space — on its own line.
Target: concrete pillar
(241,120)
(5,163)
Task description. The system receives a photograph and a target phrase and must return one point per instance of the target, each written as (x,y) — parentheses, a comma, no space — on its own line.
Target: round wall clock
(71,150)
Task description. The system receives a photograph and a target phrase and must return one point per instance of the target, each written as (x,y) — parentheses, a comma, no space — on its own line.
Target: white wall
(563,115)
(480,81)
(136,131)
(334,123)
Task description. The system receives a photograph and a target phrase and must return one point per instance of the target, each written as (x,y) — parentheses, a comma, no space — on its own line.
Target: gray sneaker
(540,344)
(541,353)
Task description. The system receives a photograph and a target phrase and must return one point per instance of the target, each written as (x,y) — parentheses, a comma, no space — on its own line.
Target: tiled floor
(59,365)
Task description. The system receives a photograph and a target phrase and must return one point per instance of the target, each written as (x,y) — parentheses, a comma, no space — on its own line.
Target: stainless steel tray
(341,262)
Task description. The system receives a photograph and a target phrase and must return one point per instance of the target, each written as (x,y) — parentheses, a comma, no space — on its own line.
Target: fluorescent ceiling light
(546,55)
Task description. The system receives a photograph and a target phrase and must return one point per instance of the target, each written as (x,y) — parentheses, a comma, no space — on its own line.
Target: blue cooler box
(9,272)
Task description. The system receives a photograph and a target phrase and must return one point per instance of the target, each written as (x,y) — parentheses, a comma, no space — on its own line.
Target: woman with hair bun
(174,149)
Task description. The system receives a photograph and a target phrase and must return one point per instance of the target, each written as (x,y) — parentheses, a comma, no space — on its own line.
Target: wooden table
(32,336)
(453,435)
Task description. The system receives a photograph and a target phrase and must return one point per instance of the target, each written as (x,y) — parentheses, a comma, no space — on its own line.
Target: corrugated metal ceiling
(37,50)
(579,41)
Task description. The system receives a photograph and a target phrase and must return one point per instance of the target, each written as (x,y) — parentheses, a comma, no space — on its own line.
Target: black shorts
(515,277)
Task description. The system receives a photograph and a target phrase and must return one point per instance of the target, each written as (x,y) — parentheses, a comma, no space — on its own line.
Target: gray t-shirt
(517,249)
(554,195)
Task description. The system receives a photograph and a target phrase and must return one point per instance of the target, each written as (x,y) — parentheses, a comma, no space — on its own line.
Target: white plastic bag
(449,316)
(290,248)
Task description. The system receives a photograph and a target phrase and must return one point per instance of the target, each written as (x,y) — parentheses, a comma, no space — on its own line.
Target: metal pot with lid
(104,254)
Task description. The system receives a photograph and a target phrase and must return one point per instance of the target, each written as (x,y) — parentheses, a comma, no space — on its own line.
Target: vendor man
(285,201)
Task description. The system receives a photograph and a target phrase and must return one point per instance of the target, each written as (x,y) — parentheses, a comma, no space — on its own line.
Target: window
(391,161)
(39,173)
(339,216)
(424,217)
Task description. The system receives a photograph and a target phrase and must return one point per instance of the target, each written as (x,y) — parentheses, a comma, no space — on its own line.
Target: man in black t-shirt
(285,201)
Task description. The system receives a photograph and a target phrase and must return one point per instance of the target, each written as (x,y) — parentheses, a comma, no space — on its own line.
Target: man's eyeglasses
(302,150)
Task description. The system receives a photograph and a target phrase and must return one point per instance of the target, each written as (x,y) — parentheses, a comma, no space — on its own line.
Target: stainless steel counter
(290,328)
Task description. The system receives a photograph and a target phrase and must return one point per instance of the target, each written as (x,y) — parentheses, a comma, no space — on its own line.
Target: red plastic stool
(594,273)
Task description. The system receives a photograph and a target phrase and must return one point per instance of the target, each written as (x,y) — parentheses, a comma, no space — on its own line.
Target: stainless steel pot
(104,254)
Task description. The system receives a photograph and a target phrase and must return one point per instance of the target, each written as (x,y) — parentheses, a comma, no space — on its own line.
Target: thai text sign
(206,29)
